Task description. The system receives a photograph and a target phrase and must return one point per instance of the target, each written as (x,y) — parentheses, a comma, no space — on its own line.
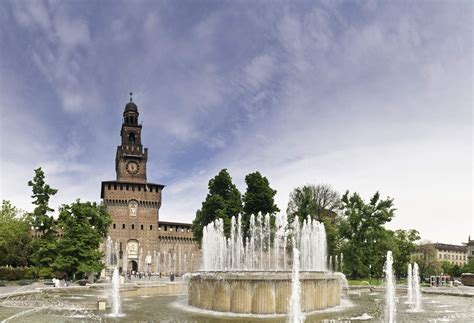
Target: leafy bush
(29,273)
(45,273)
(8,273)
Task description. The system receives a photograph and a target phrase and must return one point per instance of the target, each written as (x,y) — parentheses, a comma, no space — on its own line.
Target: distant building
(454,254)
(144,244)
(470,248)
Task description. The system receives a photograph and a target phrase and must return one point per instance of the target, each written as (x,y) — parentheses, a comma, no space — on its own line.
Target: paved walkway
(467,291)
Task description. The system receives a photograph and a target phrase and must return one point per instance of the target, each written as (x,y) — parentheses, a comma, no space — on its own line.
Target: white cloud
(379,101)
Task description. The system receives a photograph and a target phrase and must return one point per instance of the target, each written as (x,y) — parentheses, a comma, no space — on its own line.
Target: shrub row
(10,273)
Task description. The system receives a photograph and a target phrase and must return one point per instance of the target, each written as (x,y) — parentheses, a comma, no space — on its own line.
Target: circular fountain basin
(254,292)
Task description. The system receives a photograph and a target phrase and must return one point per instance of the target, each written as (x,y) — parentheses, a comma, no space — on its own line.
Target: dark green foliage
(8,273)
(15,238)
(84,225)
(42,192)
(451,269)
(259,198)
(366,241)
(44,248)
(469,267)
(403,245)
(223,201)
(319,202)
(45,273)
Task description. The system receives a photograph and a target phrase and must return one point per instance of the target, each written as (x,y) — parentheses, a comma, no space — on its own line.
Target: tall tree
(320,202)
(44,248)
(469,267)
(84,226)
(365,238)
(317,201)
(42,192)
(223,201)
(403,246)
(259,198)
(427,262)
(15,237)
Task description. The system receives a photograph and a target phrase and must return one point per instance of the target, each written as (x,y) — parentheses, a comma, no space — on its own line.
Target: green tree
(84,226)
(427,262)
(469,267)
(403,245)
(365,238)
(42,192)
(44,247)
(15,237)
(320,202)
(446,267)
(259,198)
(223,201)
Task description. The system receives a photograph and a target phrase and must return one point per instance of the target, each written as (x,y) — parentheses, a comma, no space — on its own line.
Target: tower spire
(131,94)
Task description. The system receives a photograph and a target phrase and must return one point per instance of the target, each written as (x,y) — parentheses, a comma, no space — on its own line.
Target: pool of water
(359,307)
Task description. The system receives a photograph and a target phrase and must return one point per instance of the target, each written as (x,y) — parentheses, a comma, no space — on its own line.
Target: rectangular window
(114,225)
(133,226)
(166,228)
(141,227)
(123,226)
(151,227)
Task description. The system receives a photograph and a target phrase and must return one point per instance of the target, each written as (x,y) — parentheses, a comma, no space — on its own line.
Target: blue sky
(362,95)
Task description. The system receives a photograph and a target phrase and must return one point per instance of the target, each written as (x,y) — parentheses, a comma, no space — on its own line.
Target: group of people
(139,275)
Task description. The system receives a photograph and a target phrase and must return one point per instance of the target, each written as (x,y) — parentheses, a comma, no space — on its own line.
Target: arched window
(131,137)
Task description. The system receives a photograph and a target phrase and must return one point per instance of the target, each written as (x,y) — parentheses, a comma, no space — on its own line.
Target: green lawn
(373,282)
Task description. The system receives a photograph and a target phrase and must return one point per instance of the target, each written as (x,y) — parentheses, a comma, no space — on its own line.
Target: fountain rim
(262,275)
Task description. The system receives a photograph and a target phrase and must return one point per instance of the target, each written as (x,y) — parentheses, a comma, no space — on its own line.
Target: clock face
(132,167)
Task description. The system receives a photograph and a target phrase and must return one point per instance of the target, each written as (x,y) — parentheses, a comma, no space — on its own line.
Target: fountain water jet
(416,288)
(409,285)
(295,315)
(116,304)
(112,262)
(244,273)
(389,290)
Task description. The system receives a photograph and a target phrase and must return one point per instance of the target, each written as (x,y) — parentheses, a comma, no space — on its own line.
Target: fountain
(116,304)
(248,274)
(416,288)
(413,288)
(389,290)
(112,264)
(295,315)
(409,284)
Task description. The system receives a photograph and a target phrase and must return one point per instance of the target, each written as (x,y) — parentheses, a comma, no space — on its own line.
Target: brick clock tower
(131,200)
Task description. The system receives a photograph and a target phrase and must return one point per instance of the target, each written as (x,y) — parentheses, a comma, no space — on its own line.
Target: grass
(365,282)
